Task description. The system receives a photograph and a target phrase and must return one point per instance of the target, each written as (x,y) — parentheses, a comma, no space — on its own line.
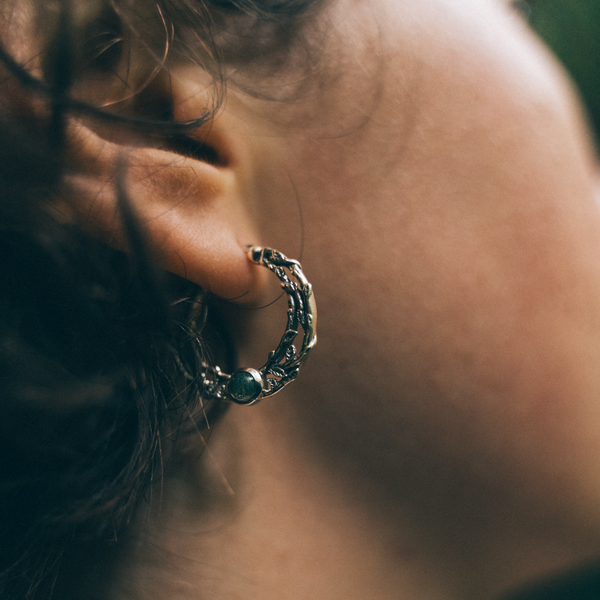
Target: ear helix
(248,386)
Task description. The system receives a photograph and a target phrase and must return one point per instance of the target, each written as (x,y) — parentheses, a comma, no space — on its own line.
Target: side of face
(434,169)
(446,186)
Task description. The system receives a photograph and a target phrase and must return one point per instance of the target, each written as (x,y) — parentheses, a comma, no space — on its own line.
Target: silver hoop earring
(248,386)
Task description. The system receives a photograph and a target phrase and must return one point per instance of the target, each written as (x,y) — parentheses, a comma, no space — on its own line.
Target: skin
(443,440)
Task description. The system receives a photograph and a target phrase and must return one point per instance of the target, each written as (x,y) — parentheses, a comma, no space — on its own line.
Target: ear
(186,191)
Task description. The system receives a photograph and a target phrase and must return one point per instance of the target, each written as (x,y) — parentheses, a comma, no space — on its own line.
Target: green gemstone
(244,387)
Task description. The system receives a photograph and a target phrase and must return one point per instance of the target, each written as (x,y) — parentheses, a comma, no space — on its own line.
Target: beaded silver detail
(248,386)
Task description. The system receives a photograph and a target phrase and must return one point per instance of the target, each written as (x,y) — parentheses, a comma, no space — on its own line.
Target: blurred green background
(572,29)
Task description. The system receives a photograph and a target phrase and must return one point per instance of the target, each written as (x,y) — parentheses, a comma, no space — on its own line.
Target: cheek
(453,244)
(456,364)
(458,325)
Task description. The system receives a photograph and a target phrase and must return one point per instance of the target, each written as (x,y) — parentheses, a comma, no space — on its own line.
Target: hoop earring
(248,386)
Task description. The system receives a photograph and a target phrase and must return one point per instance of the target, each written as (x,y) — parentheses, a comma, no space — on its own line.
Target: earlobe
(190,203)
(192,213)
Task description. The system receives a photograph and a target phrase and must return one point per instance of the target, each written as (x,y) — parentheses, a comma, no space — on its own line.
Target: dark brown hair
(100,352)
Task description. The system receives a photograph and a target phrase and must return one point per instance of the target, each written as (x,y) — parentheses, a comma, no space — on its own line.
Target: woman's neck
(255,515)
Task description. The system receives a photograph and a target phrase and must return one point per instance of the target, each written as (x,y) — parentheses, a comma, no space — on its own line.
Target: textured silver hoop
(248,386)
